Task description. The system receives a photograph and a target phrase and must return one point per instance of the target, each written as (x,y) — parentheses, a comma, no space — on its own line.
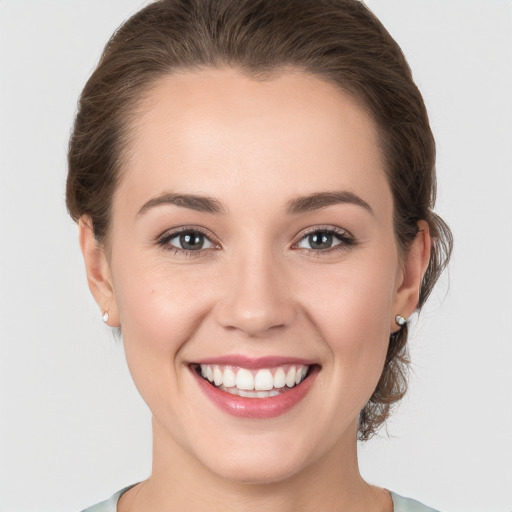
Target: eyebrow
(194,202)
(301,204)
(321,200)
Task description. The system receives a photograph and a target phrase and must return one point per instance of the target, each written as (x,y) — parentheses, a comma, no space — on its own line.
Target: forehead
(216,131)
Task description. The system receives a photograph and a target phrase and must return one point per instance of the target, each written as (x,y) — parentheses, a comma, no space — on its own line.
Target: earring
(105,316)
(400,320)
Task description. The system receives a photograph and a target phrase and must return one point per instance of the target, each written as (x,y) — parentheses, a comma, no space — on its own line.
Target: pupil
(191,241)
(320,240)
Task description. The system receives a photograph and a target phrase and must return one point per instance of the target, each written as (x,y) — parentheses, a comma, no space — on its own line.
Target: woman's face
(252,234)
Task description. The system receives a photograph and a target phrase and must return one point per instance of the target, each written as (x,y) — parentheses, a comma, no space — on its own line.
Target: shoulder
(109,505)
(401,504)
(408,505)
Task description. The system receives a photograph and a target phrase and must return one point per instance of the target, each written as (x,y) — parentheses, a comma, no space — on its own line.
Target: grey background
(72,427)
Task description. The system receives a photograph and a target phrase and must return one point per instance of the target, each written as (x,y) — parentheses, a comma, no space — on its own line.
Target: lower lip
(256,408)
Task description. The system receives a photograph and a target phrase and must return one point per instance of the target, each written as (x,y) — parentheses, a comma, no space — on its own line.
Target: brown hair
(340,41)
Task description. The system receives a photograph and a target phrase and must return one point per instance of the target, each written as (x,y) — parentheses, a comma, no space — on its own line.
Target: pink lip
(254,363)
(256,408)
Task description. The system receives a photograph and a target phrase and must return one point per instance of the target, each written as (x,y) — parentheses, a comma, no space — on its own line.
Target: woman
(254,184)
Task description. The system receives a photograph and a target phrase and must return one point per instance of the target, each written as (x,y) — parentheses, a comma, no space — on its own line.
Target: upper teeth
(263,379)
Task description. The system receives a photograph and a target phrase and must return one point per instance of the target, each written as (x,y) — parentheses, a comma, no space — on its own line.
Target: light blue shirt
(401,504)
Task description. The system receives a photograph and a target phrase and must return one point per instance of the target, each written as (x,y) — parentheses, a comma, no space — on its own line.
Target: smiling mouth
(254,383)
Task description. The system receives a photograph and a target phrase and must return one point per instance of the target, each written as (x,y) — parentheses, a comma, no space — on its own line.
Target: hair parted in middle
(339,41)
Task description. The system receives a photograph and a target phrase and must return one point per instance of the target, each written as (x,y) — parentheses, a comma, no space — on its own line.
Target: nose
(256,297)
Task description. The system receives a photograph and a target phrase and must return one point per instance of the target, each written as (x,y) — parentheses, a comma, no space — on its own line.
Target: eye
(323,240)
(187,240)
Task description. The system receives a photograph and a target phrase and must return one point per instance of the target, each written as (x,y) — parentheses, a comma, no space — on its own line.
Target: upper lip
(253,363)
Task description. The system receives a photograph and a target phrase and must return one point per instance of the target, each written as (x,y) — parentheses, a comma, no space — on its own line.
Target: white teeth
(253,394)
(261,383)
(244,379)
(279,378)
(290,377)
(229,378)
(217,376)
(263,380)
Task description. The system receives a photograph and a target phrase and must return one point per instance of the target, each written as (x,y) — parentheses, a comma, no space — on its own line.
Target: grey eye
(190,241)
(320,240)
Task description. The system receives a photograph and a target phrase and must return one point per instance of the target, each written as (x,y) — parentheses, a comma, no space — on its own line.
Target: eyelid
(347,240)
(163,239)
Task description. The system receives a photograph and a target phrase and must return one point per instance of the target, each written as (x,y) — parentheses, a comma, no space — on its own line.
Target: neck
(180,482)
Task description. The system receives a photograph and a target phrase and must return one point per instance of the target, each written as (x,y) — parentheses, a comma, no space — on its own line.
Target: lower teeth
(253,394)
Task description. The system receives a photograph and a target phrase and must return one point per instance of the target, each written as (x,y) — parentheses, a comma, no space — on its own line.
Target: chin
(259,472)
(262,461)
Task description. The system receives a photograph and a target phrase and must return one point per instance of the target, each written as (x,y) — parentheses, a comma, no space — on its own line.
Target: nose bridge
(255,298)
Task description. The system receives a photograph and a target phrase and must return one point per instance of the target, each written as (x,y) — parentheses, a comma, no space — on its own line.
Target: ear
(98,272)
(409,278)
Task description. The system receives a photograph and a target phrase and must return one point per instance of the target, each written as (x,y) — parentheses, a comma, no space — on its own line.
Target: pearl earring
(400,320)
(105,316)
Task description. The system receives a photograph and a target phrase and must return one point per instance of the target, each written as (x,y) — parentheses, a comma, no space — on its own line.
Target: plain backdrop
(73,429)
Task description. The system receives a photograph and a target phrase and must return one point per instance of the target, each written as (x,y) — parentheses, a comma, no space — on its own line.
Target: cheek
(159,311)
(355,297)
(351,307)
(157,304)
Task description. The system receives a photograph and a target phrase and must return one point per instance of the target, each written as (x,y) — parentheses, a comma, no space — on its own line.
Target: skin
(258,289)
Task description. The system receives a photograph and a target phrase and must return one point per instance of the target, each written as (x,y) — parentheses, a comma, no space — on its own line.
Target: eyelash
(346,241)
(163,241)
